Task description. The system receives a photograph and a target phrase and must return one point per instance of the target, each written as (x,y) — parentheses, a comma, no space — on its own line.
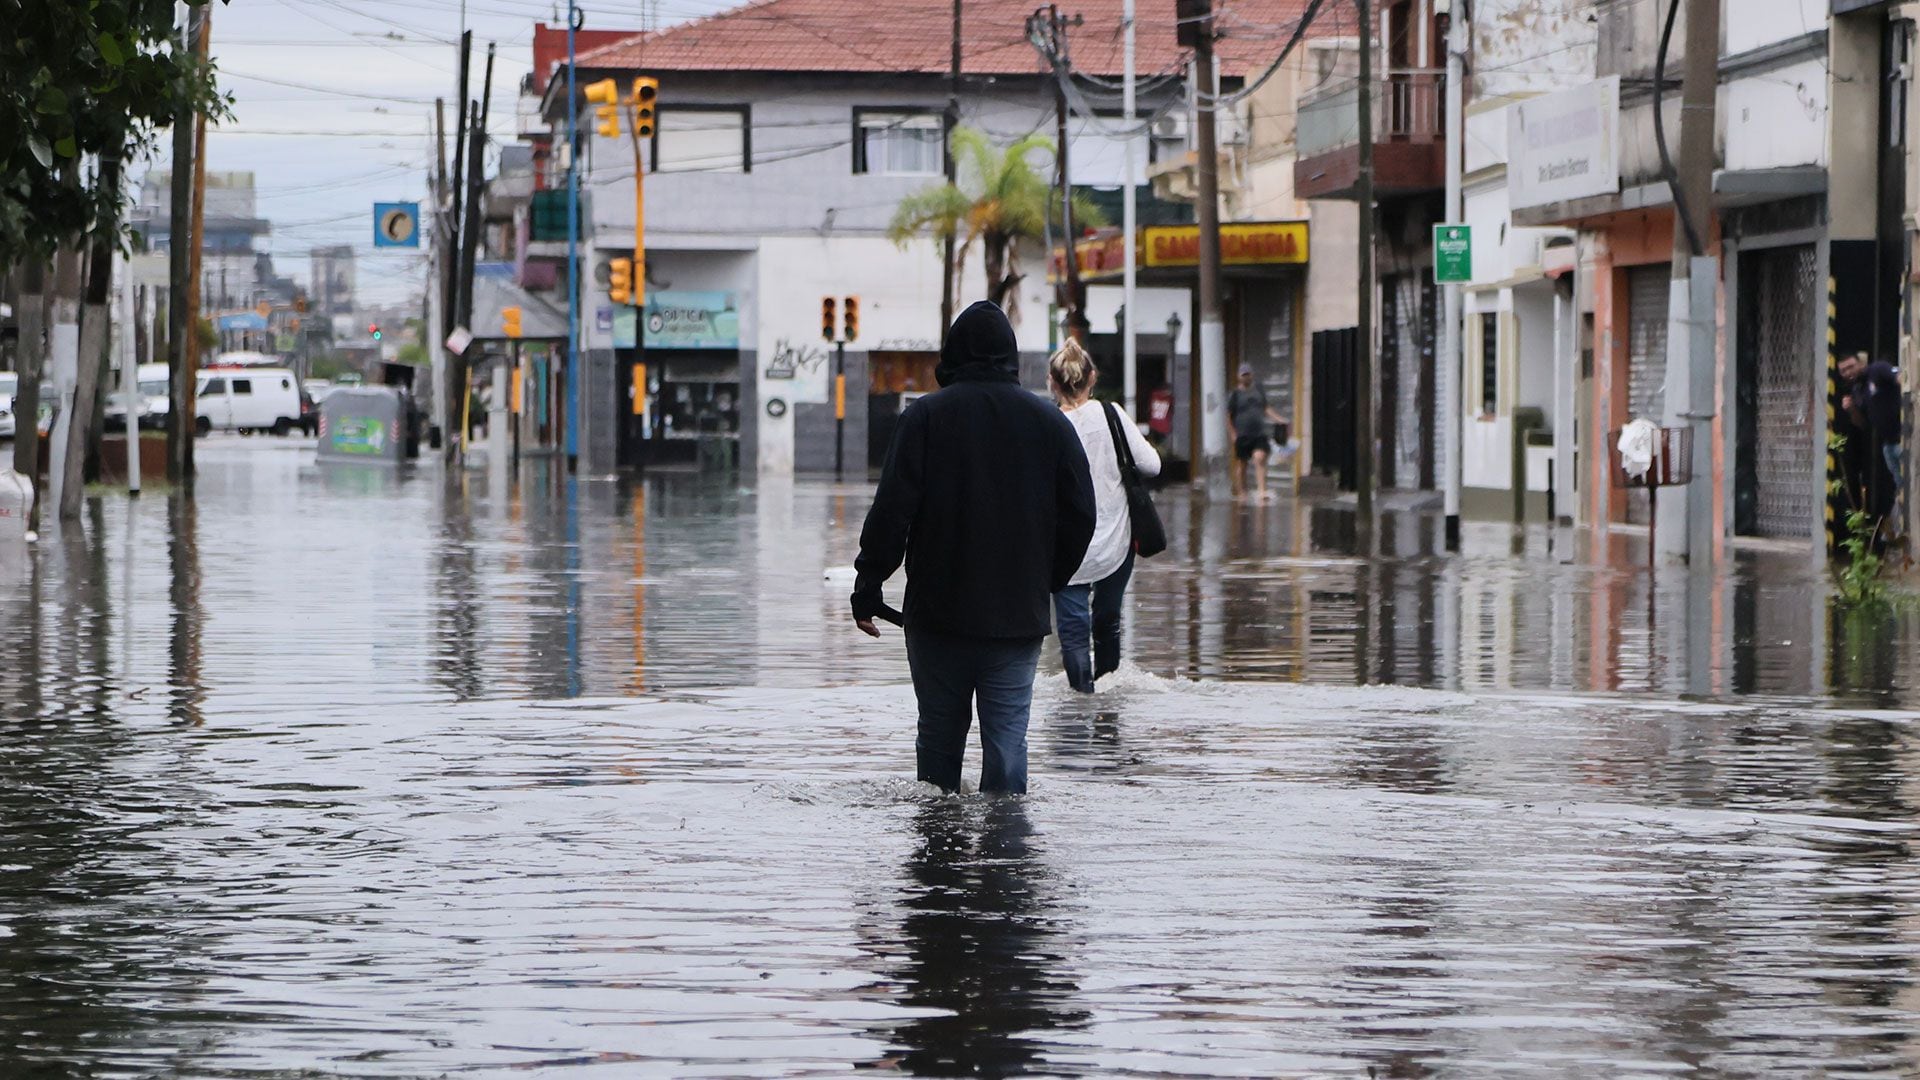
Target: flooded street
(349,773)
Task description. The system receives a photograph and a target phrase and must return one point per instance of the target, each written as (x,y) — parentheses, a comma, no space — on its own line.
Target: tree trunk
(31,315)
(83,430)
(63,360)
(993,254)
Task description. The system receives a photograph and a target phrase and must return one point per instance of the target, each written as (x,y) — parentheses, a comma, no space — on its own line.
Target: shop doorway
(1774,453)
(1647,289)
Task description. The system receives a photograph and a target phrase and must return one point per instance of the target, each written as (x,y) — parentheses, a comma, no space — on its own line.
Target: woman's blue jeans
(1088,620)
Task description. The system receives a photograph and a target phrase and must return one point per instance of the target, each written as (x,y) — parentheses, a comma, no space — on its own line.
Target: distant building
(235,270)
(330,289)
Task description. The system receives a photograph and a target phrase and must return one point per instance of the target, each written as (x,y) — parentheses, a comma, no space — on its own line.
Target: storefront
(1263,292)
(682,387)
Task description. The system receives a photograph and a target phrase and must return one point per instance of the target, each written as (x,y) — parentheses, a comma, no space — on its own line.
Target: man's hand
(869,606)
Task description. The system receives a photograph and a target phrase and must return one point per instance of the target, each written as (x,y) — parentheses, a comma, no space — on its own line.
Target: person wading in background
(1090,604)
(1247,417)
(987,498)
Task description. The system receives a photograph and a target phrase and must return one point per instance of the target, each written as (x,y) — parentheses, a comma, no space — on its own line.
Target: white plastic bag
(1636,446)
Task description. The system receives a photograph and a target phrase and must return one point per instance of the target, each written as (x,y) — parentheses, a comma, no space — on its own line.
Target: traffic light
(620,280)
(510,321)
(827,319)
(373,331)
(646,90)
(851,315)
(605,96)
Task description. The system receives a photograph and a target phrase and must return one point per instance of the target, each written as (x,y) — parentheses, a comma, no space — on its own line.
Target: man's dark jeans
(949,674)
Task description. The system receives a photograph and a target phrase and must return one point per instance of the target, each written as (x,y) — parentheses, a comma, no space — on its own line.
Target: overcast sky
(334,103)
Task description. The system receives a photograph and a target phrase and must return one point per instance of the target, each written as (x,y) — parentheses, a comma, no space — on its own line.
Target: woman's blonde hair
(1071,372)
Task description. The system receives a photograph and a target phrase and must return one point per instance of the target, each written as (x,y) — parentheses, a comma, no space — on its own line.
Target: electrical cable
(1660,133)
(1210,101)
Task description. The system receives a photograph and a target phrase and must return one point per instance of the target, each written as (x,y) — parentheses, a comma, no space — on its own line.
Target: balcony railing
(1406,108)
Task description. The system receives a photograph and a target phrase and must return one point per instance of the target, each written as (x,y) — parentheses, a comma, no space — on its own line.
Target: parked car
(116,412)
(246,400)
(152,381)
(9,386)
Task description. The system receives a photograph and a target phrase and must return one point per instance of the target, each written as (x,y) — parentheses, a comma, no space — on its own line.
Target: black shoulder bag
(1149,536)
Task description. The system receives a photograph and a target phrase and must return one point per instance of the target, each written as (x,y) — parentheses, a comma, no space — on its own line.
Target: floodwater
(350,773)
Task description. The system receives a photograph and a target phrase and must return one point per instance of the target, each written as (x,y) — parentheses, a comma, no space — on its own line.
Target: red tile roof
(881,36)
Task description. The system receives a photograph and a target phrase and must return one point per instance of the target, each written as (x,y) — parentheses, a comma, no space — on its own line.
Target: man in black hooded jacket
(987,497)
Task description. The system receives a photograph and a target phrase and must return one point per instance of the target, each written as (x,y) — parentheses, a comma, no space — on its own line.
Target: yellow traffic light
(827,319)
(604,92)
(620,280)
(646,91)
(852,319)
(605,97)
(510,321)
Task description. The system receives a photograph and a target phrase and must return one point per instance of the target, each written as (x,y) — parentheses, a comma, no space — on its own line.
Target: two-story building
(788,133)
(1807,221)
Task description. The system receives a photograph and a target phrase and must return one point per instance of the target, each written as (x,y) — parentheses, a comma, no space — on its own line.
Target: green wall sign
(1452,254)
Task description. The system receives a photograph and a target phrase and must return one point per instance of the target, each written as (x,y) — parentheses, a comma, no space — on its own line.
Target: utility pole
(437,306)
(946,151)
(1048,31)
(1213,335)
(575,369)
(127,348)
(1450,353)
(450,264)
(1129,223)
(1363,349)
(195,238)
(1690,315)
(470,249)
(179,270)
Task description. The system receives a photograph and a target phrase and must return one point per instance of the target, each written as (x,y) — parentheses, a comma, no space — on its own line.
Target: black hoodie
(985,494)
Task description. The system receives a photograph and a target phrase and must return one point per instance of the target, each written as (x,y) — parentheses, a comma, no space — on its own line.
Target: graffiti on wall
(791,357)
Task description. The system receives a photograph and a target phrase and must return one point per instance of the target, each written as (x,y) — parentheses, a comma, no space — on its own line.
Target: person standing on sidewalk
(1872,402)
(1090,604)
(986,497)
(1247,417)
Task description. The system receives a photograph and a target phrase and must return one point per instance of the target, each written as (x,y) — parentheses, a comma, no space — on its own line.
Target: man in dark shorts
(1247,417)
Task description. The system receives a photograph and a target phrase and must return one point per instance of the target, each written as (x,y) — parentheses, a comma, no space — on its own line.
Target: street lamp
(1173,334)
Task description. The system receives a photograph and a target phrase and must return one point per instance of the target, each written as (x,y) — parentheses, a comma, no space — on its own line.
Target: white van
(247,399)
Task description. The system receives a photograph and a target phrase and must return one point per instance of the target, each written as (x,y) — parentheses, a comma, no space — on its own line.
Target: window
(1489,364)
(896,143)
(242,386)
(154,389)
(214,386)
(691,138)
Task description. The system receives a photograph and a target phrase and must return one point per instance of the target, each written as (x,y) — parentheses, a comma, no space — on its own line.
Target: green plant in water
(1861,584)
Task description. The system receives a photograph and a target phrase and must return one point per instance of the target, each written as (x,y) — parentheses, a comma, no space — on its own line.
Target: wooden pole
(195,240)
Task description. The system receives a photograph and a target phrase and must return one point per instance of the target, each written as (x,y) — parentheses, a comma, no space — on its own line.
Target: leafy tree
(82,82)
(998,200)
(414,353)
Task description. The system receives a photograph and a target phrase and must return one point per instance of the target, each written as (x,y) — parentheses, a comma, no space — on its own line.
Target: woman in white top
(1090,604)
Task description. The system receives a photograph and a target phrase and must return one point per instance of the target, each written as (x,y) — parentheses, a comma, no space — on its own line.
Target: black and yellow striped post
(1834,500)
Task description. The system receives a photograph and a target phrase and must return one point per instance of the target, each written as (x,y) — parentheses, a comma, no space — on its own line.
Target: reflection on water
(395,774)
(979,961)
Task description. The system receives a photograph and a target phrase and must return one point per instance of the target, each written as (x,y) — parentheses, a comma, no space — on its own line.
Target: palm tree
(998,200)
